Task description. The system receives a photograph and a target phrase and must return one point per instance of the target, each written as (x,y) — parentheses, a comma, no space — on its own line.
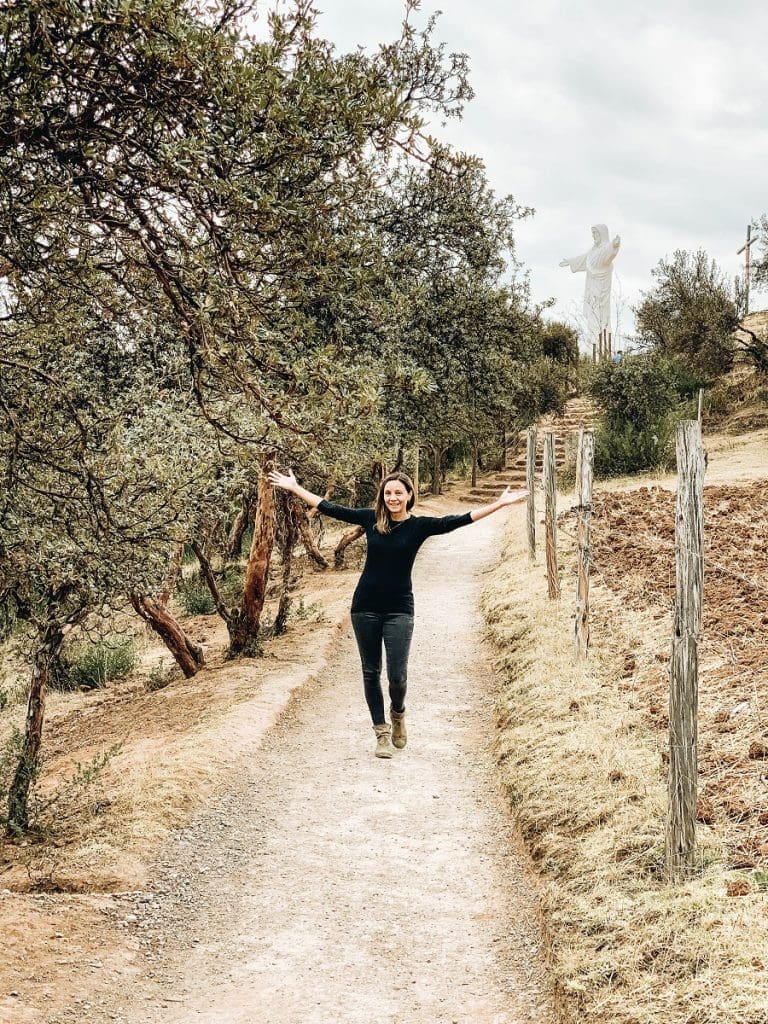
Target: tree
(196,283)
(96,487)
(560,342)
(455,328)
(690,315)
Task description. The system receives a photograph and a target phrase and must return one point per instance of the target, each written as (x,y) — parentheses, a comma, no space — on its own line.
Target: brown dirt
(315,883)
(633,550)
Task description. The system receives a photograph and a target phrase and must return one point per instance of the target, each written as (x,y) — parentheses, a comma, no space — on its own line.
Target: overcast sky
(650,117)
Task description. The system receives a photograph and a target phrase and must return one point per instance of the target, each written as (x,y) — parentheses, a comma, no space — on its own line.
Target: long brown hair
(383,518)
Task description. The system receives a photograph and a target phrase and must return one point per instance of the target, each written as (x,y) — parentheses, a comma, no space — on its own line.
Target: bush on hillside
(639,391)
(641,399)
(560,343)
(542,387)
(92,664)
(622,451)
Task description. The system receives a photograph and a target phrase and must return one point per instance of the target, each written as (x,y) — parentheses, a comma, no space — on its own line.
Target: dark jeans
(395,630)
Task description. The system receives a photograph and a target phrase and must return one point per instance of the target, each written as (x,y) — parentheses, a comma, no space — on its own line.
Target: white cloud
(648,117)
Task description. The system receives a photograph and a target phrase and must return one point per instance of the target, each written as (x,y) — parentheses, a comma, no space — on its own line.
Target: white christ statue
(598,265)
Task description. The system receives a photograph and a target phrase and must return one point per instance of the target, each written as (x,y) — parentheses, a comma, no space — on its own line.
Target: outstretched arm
(507,497)
(288,482)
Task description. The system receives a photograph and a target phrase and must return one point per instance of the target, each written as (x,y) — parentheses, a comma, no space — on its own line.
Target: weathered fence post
(550,514)
(680,840)
(585,460)
(579,442)
(530,483)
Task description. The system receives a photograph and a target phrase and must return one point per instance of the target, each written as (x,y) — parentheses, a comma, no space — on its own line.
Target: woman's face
(396,497)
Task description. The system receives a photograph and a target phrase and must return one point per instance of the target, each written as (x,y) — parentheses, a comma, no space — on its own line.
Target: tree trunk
(313,551)
(187,655)
(346,539)
(474,465)
(29,761)
(206,571)
(437,470)
(291,518)
(245,621)
(240,525)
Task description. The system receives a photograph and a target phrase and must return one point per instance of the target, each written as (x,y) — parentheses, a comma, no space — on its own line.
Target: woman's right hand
(285,481)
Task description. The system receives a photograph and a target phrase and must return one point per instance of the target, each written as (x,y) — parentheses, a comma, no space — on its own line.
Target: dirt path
(330,886)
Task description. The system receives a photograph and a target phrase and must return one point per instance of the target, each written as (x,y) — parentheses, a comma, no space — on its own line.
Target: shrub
(312,612)
(159,677)
(94,663)
(194,596)
(543,387)
(642,398)
(560,342)
(639,391)
(621,451)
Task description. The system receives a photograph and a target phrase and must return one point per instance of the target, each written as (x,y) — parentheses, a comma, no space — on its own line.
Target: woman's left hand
(510,497)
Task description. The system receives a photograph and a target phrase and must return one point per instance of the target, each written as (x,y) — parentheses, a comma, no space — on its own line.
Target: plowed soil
(633,551)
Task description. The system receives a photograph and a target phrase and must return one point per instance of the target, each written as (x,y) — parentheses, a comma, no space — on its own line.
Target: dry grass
(582,762)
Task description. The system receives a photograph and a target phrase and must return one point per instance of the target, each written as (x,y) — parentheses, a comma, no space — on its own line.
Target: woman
(382,605)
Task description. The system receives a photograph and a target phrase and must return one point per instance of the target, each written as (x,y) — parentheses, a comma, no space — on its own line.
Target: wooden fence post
(680,839)
(585,460)
(530,483)
(550,514)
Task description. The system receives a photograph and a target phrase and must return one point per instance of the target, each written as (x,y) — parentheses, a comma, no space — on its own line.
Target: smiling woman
(382,605)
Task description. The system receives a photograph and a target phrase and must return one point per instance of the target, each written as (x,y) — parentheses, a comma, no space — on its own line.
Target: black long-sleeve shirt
(385,585)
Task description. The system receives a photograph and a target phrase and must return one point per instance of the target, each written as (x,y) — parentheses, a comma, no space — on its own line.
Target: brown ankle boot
(399,735)
(383,746)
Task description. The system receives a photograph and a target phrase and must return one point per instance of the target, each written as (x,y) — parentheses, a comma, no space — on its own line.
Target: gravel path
(328,886)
